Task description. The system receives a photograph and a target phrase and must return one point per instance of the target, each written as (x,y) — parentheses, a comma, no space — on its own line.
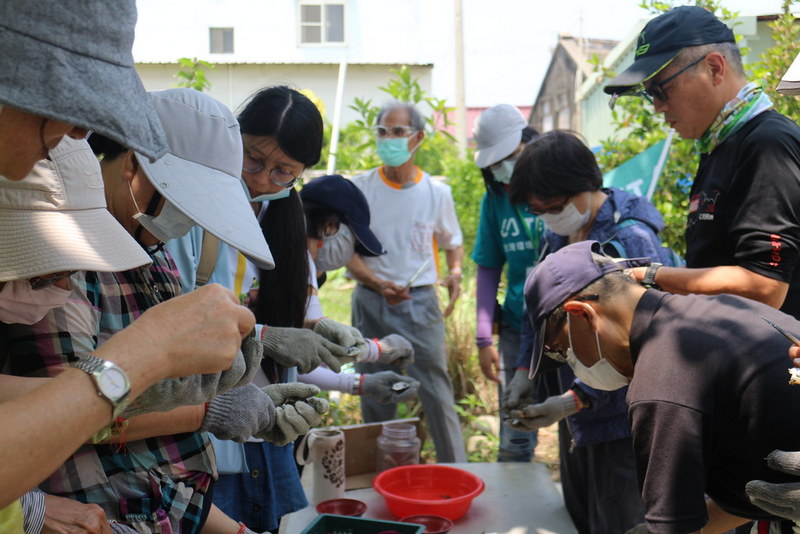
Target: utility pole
(461,105)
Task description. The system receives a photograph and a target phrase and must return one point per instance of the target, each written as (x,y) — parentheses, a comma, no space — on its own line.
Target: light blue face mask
(283,193)
(393,151)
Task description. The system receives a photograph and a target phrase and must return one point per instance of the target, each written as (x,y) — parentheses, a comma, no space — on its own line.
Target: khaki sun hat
(56,219)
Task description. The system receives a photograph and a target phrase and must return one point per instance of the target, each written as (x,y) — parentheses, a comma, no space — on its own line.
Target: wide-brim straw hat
(56,219)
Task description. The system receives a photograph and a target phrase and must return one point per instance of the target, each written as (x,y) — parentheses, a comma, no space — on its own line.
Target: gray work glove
(519,389)
(535,416)
(344,336)
(381,387)
(302,348)
(296,411)
(782,500)
(239,414)
(641,528)
(396,349)
(171,393)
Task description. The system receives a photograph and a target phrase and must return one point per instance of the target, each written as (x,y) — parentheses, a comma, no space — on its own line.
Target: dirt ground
(547,450)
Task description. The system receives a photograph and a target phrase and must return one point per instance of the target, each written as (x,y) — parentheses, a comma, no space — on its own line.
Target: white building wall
(232,84)
(380,35)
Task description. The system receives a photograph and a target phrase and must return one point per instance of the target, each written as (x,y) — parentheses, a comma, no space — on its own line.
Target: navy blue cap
(559,276)
(663,38)
(342,195)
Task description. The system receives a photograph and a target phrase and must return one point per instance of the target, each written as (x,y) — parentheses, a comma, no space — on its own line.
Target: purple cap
(559,276)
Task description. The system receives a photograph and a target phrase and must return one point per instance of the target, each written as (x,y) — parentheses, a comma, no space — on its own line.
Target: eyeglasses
(277,175)
(394,131)
(658,91)
(558,355)
(558,209)
(555,322)
(41,282)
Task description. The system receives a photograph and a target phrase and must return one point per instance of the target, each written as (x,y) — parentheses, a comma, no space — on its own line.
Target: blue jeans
(269,489)
(515,445)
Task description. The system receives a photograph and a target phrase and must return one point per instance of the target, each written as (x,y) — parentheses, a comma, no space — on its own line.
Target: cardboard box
(360,450)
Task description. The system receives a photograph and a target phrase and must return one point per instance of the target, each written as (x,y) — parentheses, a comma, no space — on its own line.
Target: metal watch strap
(90,365)
(649,279)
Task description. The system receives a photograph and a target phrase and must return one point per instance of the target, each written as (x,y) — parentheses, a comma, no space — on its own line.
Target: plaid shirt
(155,485)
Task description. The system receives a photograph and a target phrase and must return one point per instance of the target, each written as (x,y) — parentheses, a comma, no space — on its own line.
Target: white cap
(790,83)
(56,219)
(201,172)
(498,132)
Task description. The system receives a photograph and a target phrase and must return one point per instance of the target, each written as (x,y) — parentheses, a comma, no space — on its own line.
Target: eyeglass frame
(260,167)
(47,280)
(560,355)
(530,210)
(646,92)
(656,89)
(408,131)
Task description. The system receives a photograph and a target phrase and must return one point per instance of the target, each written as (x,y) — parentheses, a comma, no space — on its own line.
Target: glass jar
(398,444)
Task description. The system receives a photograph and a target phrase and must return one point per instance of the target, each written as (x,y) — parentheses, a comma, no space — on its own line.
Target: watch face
(113,383)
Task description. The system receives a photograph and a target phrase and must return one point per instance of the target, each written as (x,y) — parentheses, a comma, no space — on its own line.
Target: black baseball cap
(342,195)
(663,38)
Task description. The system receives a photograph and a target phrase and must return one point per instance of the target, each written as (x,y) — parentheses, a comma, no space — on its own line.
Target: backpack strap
(208,259)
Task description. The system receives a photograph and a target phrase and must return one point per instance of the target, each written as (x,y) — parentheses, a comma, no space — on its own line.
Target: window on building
(564,117)
(547,117)
(321,22)
(221,40)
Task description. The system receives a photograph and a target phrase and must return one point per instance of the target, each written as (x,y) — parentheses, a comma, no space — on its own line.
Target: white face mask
(171,223)
(502,173)
(569,221)
(337,250)
(21,304)
(601,375)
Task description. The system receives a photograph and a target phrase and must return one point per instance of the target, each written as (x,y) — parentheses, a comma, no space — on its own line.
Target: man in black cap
(743,228)
(707,384)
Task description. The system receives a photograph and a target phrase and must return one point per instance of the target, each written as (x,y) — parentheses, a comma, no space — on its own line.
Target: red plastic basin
(431,489)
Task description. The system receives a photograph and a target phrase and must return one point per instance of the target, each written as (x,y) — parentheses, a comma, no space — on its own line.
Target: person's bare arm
(219,523)
(358,268)
(393,293)
(193,334)
(177,421)
(12,387)
(453,280)
(731,279)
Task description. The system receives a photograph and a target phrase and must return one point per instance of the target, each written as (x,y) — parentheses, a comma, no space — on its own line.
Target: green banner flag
(639,175)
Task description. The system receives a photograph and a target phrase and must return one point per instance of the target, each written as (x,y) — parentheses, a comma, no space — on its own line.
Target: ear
(420,135)
(577,308)
(717,66)
(130,166)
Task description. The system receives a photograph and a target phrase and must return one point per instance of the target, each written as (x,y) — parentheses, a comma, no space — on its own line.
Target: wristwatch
(111,381)
(649,279)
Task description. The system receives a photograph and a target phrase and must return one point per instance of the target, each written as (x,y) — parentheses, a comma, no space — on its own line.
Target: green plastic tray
(342,524)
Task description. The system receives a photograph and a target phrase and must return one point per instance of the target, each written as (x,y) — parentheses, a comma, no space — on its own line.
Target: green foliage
(357,142)
(638,126)
(438,154)
(768,70)
(192,73)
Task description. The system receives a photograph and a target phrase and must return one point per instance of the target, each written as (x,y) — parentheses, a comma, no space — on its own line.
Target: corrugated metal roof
(364,63)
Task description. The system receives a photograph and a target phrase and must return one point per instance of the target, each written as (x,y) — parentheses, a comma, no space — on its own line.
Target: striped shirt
(156,483)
